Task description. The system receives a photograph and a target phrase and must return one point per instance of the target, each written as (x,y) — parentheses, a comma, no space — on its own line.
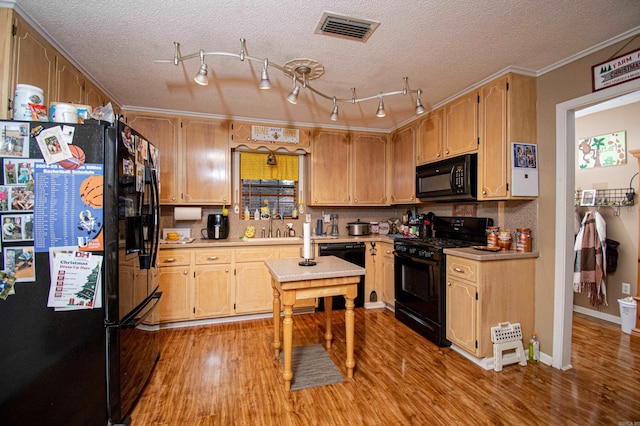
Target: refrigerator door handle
(155,208)
(138,316)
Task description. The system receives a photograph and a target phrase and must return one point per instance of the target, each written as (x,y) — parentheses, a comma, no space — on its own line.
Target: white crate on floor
(507,337)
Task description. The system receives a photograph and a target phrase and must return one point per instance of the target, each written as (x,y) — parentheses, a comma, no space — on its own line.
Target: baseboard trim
(597,314)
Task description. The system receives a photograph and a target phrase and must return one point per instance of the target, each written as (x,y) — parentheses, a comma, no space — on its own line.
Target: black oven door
(418,286)
(420,295)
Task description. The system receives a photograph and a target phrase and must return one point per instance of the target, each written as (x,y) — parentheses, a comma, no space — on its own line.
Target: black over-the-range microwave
(453,179)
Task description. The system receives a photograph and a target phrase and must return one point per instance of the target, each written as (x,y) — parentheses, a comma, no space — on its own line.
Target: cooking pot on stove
(359,228)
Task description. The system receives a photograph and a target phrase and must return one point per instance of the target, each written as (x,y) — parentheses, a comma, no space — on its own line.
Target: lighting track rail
(298,73)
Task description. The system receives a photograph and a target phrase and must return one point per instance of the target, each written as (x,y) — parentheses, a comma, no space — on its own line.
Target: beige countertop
(474,254)
(237,242)
(286,270)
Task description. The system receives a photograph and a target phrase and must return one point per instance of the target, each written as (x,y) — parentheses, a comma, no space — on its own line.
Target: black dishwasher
(351,252)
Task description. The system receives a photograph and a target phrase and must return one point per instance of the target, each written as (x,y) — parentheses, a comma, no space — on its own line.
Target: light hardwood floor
(226,375)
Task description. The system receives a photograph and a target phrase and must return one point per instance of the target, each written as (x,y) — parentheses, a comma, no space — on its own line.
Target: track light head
(334,113)
(380,113)
(201,78)
(419,107)
(293,96)
(264,76)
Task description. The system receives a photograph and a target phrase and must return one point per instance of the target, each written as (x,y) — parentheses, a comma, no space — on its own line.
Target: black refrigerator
(79,205)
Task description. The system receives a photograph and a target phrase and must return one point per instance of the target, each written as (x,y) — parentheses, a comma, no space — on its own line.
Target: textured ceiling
(442,46)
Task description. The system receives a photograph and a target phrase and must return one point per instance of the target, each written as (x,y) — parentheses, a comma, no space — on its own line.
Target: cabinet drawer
(174,257)
(462,269)
(212,256)
(255,254)
(290,252)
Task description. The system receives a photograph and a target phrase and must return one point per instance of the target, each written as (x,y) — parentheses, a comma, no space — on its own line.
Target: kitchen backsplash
(506,214)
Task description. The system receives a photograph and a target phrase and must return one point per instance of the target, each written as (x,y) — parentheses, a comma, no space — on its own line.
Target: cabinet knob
(446,152)
(458,270)
(438,155)
(170,260)
(449,283)
(355,200)
(185,272)
(484,192)
(226,270)
(212,258)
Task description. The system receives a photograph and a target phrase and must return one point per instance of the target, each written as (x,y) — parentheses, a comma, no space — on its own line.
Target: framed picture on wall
(588,197)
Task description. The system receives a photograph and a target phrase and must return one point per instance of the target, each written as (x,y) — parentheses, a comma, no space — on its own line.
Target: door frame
(565,187)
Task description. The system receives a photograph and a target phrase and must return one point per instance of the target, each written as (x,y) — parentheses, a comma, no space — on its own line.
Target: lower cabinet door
(175,303)
(462,318)
(253,288)
(212,291)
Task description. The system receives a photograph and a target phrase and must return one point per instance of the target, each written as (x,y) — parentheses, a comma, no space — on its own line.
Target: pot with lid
(359,228)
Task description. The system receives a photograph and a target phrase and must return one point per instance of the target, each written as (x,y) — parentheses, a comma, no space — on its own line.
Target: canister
(64,113)
(523,240)
(504,240)
(25,95)
(492,236)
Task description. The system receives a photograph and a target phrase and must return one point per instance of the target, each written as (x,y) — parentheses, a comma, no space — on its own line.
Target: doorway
(565,176)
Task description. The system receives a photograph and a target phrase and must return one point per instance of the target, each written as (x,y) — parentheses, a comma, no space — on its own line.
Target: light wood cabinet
(482,294)
(162,131)
(430,137)
(330,168)
(369,169)
(253,280)
(206,164)
(194,157)
(213,283)
(70,83)
(403,169)
(507,114)
(348,169)
(461,125)
(6,46)
(175,283)
(36,62)
(195,284)
(387,274)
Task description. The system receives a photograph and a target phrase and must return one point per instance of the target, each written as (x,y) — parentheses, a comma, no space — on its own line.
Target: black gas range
(420,270)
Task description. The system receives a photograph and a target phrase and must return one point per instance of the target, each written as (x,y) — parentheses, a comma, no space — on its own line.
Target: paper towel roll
(187,213)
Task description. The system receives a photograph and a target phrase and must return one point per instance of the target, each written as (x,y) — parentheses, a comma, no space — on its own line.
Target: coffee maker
(217,227)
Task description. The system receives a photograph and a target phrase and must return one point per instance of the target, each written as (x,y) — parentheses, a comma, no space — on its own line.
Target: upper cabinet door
(493,169)
(430,137)
(162,132)
(34,61)
(206,176)
(461,125)
(330,168)
(403,173)
(70,83)
(369,169)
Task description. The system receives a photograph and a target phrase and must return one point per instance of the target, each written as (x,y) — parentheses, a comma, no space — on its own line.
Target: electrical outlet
(626,288)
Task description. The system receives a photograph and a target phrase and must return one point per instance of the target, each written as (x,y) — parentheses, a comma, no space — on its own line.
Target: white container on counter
(25,95)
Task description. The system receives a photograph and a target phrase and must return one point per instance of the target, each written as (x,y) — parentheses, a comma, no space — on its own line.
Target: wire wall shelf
(614,198)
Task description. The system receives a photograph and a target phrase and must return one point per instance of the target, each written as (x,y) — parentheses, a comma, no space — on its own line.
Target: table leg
(328,302)
(349,317)
(287,326)
(276,322)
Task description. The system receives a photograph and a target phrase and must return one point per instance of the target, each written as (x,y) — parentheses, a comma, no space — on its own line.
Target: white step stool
(507,336)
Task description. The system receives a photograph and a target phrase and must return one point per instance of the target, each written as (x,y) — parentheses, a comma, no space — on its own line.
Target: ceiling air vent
(346,27)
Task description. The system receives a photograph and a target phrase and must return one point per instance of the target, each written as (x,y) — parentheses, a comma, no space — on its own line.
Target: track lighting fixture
(293,96)
(334,113)
(300,73)
(419,107)
(380,113)
(201,78)
(264,78)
